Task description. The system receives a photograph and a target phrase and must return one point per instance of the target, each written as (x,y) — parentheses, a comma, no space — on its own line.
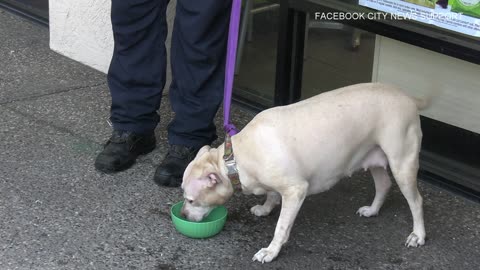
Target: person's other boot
(122,149)
(170,171)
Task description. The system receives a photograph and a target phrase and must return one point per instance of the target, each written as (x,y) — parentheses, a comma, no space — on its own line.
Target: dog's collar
(231,164)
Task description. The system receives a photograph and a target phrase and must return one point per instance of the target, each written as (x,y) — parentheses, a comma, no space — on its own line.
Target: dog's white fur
(305,148)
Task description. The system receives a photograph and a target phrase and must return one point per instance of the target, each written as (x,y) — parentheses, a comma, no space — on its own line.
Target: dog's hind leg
(382,186)
(404,163)
(273,199)
(407,181)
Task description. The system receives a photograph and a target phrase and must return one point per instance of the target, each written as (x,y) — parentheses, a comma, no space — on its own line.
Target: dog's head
(205,184)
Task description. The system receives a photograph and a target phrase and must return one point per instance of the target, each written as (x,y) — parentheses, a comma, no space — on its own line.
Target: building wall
(81,30)
(418,71)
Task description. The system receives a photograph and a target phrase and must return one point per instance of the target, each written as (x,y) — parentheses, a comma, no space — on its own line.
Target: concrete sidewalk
(57,212)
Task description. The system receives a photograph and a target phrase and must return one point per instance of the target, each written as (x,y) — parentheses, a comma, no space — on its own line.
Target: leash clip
(230,163)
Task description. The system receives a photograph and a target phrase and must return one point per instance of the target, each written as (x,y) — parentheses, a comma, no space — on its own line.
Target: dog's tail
(425,102)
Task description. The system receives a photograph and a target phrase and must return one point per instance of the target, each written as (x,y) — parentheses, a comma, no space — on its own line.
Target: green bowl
(208,227)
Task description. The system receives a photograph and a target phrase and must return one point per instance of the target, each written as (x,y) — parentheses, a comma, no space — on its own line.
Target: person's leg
(136,78)
(198,50)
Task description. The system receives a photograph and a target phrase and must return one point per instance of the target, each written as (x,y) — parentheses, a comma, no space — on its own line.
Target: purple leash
(230,129)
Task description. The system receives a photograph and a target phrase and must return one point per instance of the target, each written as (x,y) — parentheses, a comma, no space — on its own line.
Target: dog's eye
(190,201)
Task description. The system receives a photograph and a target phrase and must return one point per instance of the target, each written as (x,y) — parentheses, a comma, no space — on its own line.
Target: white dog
(305,148)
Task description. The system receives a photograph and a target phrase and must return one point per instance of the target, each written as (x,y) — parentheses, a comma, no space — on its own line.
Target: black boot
(170,171)
(122,149)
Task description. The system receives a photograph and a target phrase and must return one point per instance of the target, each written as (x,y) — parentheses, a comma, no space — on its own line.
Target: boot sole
(168,181)
(109,169)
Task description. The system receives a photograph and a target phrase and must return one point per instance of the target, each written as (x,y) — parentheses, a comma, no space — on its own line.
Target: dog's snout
(183,212)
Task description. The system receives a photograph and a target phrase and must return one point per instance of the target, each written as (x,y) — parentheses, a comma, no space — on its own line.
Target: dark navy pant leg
(136,76)
(198,67)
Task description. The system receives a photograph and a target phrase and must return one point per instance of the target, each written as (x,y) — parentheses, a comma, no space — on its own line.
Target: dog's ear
(213,180)
(202,151)
(187,172)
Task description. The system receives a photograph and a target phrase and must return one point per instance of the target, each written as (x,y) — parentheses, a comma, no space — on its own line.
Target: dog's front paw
(367,211)
(414,240)
(265,255)
(260,210)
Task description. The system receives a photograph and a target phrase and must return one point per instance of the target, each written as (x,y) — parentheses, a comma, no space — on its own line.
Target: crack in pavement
(68,131)
(35,97)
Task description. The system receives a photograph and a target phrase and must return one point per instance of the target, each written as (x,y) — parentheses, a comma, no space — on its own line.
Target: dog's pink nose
(183,213)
